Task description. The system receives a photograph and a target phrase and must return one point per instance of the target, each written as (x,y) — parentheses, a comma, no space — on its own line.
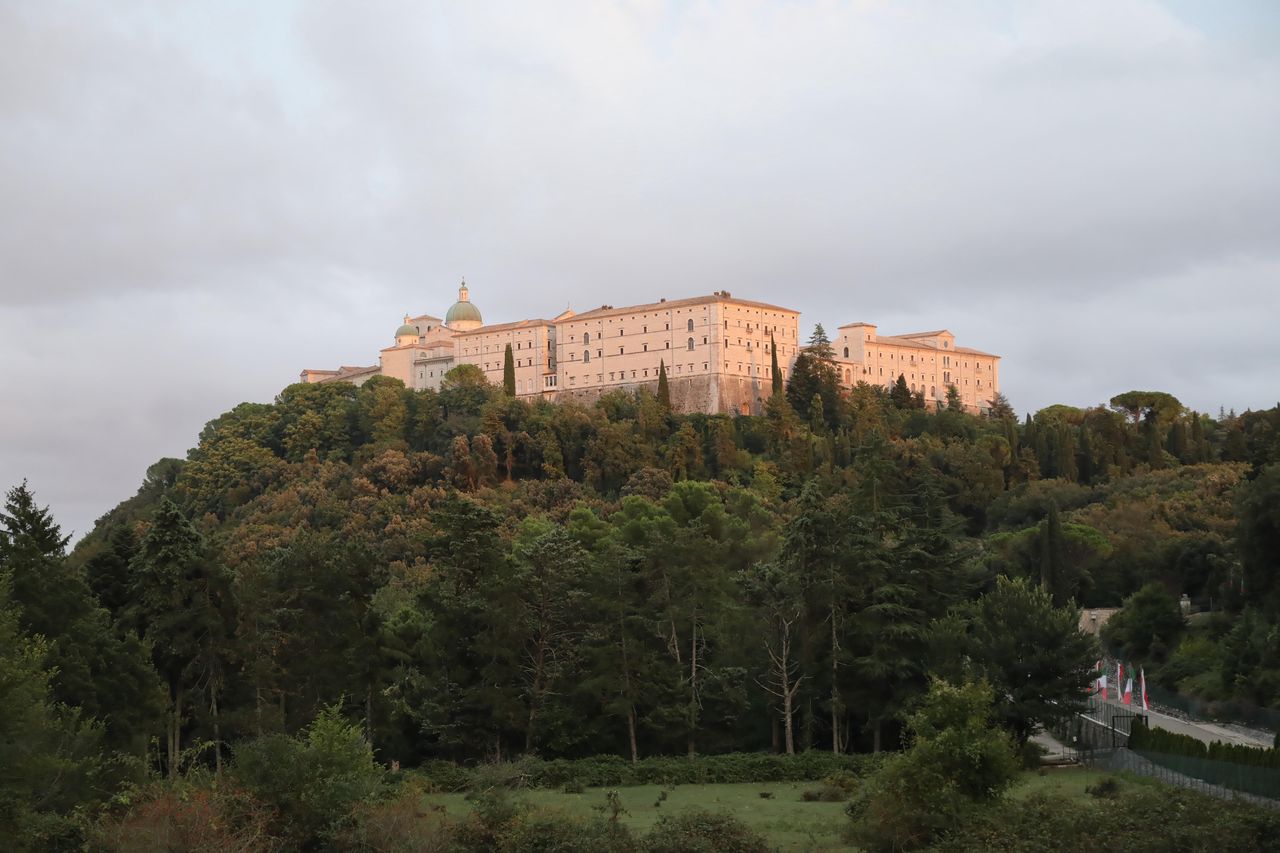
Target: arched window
(586,337)
(691,324)
(691,340)
(846,352)
(586,355)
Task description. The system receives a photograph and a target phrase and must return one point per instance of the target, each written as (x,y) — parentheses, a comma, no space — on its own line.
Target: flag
(1128,691)
(1119,678)
(1142,679)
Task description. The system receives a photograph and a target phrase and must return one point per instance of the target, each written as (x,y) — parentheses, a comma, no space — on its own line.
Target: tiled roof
(609,311)
(503,327)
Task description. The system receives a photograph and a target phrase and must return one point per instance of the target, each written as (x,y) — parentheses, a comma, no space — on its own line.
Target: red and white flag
(1142,680)
(1101,683)
(1119,679)
(1128,691)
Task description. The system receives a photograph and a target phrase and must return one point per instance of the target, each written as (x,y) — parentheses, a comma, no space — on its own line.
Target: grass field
(788,822)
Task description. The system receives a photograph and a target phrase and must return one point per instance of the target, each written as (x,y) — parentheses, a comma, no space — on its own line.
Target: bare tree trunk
(631,734)
(217,734)
(368,714)
(693,684)
(835,690)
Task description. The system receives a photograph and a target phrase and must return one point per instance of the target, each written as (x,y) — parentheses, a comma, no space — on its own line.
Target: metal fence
(1146,764)
(1227,711)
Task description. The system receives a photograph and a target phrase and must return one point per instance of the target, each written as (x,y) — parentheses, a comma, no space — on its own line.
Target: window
(846,352)
(586,355)
(586,337)
(690,327)
(619,350)
(621,332)
(645,347)
(668,345)
(690,342)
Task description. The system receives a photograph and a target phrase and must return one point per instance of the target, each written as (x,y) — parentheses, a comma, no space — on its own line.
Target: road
(1207,732)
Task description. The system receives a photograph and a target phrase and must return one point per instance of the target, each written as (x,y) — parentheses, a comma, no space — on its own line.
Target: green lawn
(787,821)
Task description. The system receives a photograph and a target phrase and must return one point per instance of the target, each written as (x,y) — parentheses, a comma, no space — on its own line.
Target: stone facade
(717,351)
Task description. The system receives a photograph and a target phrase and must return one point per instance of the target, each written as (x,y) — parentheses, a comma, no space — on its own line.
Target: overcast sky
(197,200)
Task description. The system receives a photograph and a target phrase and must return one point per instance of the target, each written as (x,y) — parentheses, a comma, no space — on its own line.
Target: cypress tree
(1051,553)
(509,373)
(900,394)
(1199,446)
(775,374)
(1087,465)
(664,391)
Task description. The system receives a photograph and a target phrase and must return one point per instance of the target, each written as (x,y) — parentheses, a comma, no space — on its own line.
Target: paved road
(1207,732)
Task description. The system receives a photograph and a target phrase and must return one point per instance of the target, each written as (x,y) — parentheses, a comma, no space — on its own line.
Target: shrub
(573,786)
(312,781)
(959,760)
(190,818)
(402,823)
(702,832)
(1029,755)
(1106,789)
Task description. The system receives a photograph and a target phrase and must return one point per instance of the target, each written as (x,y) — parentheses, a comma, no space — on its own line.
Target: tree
(1258,531)
(50,757)
(181,597)
(775,374)
(776,590)
(814,374)
(509,373)
(954,403)
(956,761)
(94,667)
(900,394)
(1032,653)
(1001,409)
(664,390)
(1148,626)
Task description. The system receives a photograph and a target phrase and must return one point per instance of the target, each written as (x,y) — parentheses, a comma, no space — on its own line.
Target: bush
(958,761)
(702,832)
(190,818)
(403,823)
(1029,755)
(1107,789)
(605,771)
(313,781)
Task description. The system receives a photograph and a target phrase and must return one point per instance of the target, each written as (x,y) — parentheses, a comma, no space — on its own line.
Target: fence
(1228,711)
(1144,764)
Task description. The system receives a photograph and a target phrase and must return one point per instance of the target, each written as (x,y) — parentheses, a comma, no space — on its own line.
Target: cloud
(214,197)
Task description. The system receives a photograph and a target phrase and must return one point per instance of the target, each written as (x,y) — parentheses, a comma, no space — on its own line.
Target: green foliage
(1148,626)
(312,781)
(1139,817)
(956,762)
(1032,653)
(702,832)
(509,373)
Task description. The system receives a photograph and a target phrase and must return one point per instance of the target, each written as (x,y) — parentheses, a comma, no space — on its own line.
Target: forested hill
(473,574)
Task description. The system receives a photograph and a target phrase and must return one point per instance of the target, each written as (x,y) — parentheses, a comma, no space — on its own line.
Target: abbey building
(716,350)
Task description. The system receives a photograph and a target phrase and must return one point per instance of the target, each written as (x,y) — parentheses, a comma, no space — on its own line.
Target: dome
(406,329)
(463,315)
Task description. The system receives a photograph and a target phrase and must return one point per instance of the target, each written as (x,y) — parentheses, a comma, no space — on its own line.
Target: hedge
(1144,738)
(614,771)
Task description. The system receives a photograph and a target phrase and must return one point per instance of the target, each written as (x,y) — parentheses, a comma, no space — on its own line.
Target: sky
(199,200)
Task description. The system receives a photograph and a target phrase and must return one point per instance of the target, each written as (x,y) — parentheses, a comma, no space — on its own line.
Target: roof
(425,317)
(859,323)
(610,311)
(972,351)
(461,310)
(932,334)
(503,327)
(345,372)
(406,329)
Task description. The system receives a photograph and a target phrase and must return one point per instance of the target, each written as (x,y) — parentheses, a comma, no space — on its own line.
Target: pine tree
(509,373)
(954,403)
(179,600)
(1087,465)
(664,390)
(900,394)
(775,374)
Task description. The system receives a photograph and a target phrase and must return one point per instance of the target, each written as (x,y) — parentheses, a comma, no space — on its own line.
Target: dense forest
(469,576)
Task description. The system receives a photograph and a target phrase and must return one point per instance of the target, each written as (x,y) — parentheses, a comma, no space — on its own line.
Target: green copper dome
(463,311)
(406,329)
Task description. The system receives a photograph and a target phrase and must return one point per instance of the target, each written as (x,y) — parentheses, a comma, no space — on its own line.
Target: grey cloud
(219,196)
